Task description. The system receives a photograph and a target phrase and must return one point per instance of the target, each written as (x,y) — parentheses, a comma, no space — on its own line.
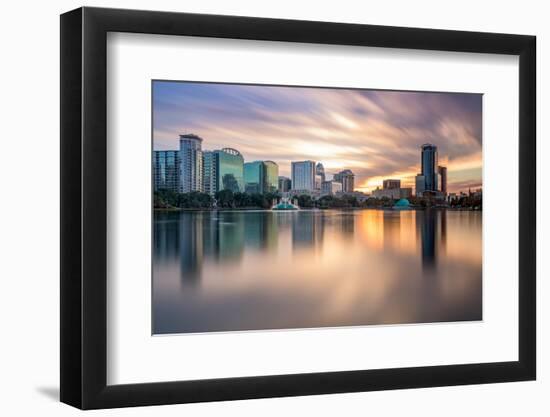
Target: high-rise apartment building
(190,169)
(190,163)
(347,179)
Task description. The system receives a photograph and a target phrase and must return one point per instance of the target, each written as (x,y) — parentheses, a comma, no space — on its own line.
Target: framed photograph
(257,208)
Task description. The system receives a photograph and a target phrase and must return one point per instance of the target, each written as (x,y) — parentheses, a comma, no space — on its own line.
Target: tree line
(228,199)
(222,199)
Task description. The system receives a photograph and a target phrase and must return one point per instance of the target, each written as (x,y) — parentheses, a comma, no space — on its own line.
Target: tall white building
(303,175)
(190,163)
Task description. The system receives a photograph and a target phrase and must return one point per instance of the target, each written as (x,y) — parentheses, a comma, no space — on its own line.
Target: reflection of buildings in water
(260,230)
(347,223)
(191,249)
(433,233)
(230,236)
(372,228)
(165,236)
(391,227)
(395,232)
(208,236)
(443,231)
(211,236)
(219,236)
(426,220)
(284,219)
(307,229)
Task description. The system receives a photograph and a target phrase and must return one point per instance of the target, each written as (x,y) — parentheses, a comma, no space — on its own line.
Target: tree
(225,198)
(305,201)
(386,202)
(230,183)
(164,198)
(241,200)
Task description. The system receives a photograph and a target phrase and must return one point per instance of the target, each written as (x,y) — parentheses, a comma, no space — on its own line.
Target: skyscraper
(190,163)
(230,170)
(443,175)
(223,170)
(429,166)
(420,185)
(303,175)
(271,178)
(318,182)
(210,172)
(254,177)
(320,170)
(166,170)
(347,179)
(261,177)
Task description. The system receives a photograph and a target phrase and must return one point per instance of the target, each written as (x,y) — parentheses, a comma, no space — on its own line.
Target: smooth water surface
(254,270)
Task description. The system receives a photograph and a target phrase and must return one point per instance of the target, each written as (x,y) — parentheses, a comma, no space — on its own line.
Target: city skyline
(375,134)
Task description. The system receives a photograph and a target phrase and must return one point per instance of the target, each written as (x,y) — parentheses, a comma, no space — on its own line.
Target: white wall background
(29,219)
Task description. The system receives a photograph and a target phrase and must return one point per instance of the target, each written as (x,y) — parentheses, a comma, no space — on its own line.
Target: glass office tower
(166,173)
(210,172)
(254,177)
(223,170)
(429,164)
(271,178)
(230,170)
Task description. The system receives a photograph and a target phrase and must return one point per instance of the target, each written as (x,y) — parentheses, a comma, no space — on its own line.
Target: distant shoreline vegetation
(227,199)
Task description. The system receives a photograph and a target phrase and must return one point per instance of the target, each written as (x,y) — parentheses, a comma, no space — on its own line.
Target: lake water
(255,270)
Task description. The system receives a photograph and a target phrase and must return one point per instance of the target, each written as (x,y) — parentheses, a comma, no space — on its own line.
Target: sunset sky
(377,134)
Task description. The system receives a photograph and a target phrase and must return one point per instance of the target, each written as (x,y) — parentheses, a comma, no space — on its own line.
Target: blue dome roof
(403,203)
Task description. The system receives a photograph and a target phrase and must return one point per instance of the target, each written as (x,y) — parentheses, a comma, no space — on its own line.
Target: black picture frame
(84,207)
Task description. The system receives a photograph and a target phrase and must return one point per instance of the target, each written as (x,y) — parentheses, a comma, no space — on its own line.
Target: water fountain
(285,204)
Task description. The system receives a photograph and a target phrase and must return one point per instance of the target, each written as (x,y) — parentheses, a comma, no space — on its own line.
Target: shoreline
(244,209)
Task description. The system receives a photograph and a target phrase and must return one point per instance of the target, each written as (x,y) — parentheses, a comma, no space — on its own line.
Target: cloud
(377,134)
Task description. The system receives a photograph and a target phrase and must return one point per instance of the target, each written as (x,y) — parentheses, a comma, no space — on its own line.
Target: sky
(375,133)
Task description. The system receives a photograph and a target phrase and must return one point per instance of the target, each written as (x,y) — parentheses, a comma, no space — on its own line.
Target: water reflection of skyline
(251,261)
(196,237)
